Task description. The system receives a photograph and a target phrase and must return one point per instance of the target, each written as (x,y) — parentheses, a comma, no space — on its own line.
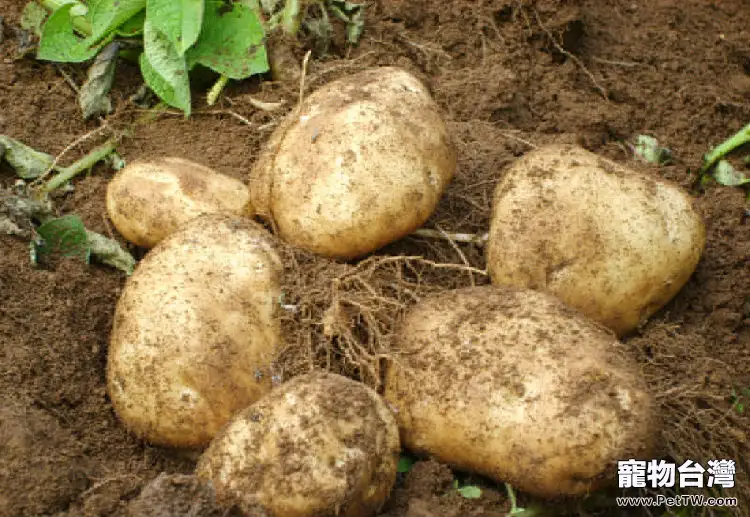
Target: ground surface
(679,71)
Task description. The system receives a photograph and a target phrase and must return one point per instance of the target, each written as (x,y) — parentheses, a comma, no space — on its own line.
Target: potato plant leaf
(470,492)
(108,251)
(164,69)
(321,29)
(353,14)
(33,17)
(59,41)
(732,143)
(17,216)
(93,97)
(27,162)
(726,175)
(405,463)
(232,42)
(133,26)
(64,236)
(107,15)
(115,161)
(647,147)
(179,20)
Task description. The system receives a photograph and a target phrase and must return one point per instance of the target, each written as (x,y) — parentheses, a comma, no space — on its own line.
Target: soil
(507,75)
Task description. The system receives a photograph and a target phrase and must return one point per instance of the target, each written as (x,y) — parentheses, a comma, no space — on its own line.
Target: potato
(613,243)
(149,200)
(319,444)
(195,331)
(362,164)
(514,385)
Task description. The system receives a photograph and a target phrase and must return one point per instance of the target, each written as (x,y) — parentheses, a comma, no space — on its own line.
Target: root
(572,57)
(345,316)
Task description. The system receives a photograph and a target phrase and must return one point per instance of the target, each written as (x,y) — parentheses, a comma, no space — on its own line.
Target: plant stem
(290,17)
(740,138)
(512,497)
(105,250)
(479,240)
(216,89)
(532,511)
(85,163)
(80,23)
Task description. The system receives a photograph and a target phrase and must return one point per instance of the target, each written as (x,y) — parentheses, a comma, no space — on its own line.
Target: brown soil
(679,71)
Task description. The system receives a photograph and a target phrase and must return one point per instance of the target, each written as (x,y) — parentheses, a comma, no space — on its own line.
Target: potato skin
(195,330)
(149,200)
(615,244)
(514,385)
(363,164)
(318,445)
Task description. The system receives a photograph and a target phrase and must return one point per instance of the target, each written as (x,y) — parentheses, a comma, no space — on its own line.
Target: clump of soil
(36,451)
(177,495)
(508,75)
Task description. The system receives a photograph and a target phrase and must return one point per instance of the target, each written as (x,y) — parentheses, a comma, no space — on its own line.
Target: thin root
(302,81)
(574,58)
(67,149)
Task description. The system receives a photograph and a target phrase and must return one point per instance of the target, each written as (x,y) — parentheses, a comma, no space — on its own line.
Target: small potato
(318,445)
(514,385)
(195,331)
(149,200)
(362,164)
(613,243)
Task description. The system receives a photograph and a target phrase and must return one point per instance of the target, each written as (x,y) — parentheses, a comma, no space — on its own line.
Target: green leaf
(232,42)
(647,147)
(355,27)
(133,26)
(735,141)
(405,463)
(270,6)
(470,492)
(107,15)
(33,17)
(59,42)
(115,161)
(164,70)
(93,97)
(27,162)
(78,10)
(354,16)
(64,236)
(109,251)
(133,55)
(179,20)
(728,176)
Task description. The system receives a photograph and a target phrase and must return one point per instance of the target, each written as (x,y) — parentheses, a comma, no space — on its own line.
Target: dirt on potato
(508,75)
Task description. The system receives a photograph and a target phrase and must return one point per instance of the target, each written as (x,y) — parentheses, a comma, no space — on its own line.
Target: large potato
(318,445)
(149,200)
(514,385)
(615,244)
(362,164)
(195,331)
